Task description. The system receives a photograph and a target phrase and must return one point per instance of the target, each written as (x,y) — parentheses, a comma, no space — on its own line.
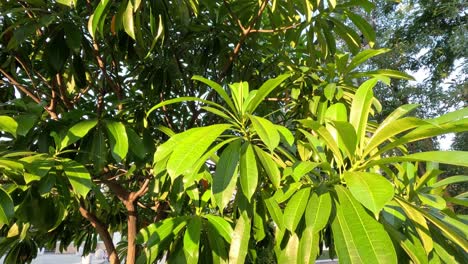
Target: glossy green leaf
(364,55)
(7,210)
(217,245)
(226,174)
(329,91)
(289,254)
(266,131)
(128,21)
(218,88)
(371,189)
(285,134)
(295,209)
(303,167)
(270,166)
(240,240)
(359,238)
(450,180)
(118,139)
(222,227)
(326,136)
(347,137)
(432,200)
(419,223)
(137,146)
(77,132)
(318,211)
(364,26)
(264,91)
(361,107)
(416,253)
(248,171)
(459,158)
(192,147)
(98,15)
(275,212)
(183,100)
(79,177)
(308,246)
(25,123)
(192,239)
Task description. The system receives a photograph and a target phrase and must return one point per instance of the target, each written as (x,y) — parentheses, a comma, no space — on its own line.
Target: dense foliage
(215,131)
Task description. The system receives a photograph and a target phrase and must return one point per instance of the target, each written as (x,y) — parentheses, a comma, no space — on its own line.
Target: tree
(93,142)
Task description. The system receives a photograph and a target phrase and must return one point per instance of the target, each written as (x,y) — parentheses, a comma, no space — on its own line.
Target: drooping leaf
(458,158)
(270,166)
(248,170)
(303,167)
(79,177)
(226,174)
(192,239)
(6,207)
(264,91)
(128,21)
(190,148)
(77,132)
(371,189)
(289,254)
(364,55)
(295,209)
(8,125)
(318,211)
(221,226)
(266,131)
(359,238)
(218,88)
(118,139)
(240,240)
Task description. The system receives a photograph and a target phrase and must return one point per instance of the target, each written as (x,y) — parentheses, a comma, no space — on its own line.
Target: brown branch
(234,16)
(27,73)
(25,90)
(63,92)
(274,30)
(101,228)
(245,33)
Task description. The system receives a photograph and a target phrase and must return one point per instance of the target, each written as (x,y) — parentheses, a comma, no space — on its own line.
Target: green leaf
(8,124)
(458,158)
(329,91)
(137,146)
(25,123)
(359,238)
(270,166)
(286,134)
(217,245)
(303,167)
(77,132)
(98,15)
(419,223)
(347,137)
(308,246)
(371,189)
(318,211)
(221,226)
(384,72)
(364,26)
(266,131)
(226,174)
(352,39)
(78,176)
(118,139)
(73,37)
(183,100)
(290,252)
(218,88)
(190,148)
(240,241)
(389,130)
(432,200)
(295,209)
(326,136)
(7,210)
(450,180)
(264,91)
(364,55)
(192,239)
(360,108)
(128,20)
(275,212)
(416,253)
(248,170)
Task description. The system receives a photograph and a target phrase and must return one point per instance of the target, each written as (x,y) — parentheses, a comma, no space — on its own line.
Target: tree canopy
(218,131)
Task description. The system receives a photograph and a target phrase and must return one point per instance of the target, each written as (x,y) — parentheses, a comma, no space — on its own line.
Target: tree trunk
(131,231)
(101,228)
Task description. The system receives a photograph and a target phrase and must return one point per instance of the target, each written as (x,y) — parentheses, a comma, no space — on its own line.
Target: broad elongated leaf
(303,167)
(118,139)
(419,223)
(221,226)
(192,239)
(384,72)
(308,246)
(450,180)
(78,176)
(264,91)
(318,211)
(371,189)
(347,136)
(226,174)
(270,167)
(7,210)
(360,108)
(8,125)
(289,254)
(218,88)
(417,254)
(364,55)
(240,240)
(295,209)
(248,170)
(77,132)
(183,100)
(127,20)
(364,26)
(266,131)
(217,245)
(275,212)
(459,158)
(326,136)
(190,148)
(359,238)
